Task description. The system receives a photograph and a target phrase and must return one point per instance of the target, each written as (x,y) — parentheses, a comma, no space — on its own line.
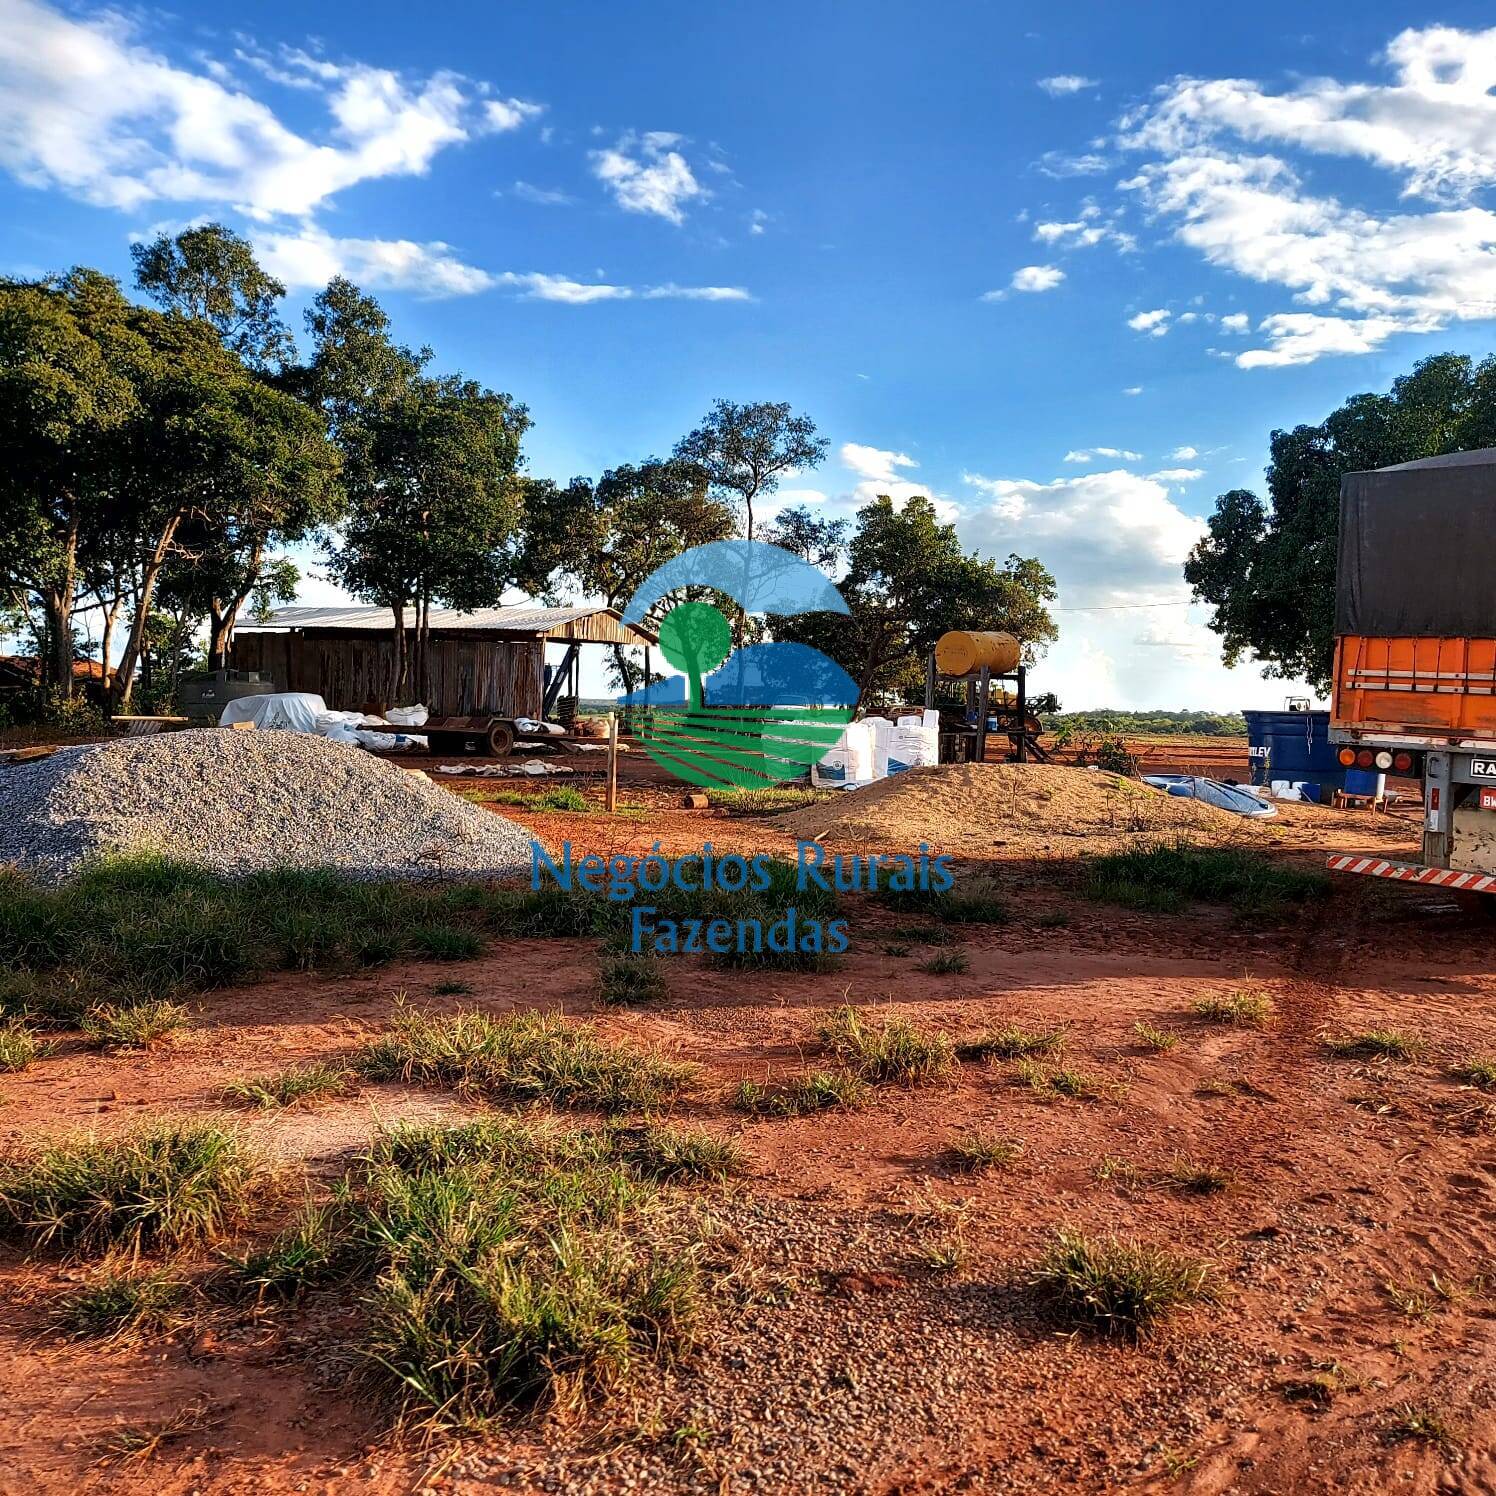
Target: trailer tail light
(1365,759)
(1384,760)
(1347,757)
(1402,762)
(1433,797)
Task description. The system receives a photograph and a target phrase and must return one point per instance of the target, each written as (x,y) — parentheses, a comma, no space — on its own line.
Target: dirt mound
(1025,808)
(237,802)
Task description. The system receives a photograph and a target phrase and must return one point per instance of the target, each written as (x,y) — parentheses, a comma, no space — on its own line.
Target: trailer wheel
(500,739)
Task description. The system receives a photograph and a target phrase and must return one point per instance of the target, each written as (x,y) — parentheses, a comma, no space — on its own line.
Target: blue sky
(1063,269)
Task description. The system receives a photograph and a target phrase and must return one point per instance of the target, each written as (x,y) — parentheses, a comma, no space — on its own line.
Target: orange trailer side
(1444,689)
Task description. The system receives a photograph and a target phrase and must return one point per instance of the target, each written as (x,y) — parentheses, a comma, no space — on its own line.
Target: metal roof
(524,619)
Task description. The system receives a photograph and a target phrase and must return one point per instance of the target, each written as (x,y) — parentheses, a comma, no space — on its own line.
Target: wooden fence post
(612,794)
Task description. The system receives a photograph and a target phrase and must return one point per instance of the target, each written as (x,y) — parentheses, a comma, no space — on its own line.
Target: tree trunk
(125,676)
(224,616)
(397,681)
(57,604)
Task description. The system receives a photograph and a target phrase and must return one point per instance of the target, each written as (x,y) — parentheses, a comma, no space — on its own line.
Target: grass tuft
(133,1026)
(1012,1043)
(1375,1044)
(946,963)
(1247,1007)
(892,1050)
(1423,1424)
(817,1091)
(1048,1083)
(119,1303)
(522,1057)
(1166,877)
(1476,1070)
(1118,1287)
(303,1085)
(174,1184)
(19,1045)
(974,1151)
(626,980)
(1160,1041)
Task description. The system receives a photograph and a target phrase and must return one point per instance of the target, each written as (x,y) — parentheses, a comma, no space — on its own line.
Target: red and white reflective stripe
(1412,872)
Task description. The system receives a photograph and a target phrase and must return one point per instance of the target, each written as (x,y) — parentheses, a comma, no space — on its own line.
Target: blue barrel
(1295,746)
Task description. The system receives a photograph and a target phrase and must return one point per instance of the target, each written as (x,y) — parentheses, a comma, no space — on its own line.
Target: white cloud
(1090,454)
(1178,475)
(1060,164)
(646,174)
(509,114)
(1065,83)
(880,472)
(1365,272)
(309,257)
(1154,323)
(1236,322)
(1133,389)
(1037,278)
(1184,454)
(87,108)
(1091,227)
(757,221)
(537,286)
(546,197)
(672,292)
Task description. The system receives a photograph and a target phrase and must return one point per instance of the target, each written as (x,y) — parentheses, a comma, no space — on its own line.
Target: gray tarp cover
(1418,549)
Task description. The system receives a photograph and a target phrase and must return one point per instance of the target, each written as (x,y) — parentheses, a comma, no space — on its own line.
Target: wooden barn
(491,661)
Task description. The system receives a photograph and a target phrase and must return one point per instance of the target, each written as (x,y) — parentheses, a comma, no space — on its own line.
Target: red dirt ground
(882,1374)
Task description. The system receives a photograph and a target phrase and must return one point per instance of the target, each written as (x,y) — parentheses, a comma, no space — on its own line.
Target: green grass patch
(815,1091)
(1049,1082)
(1166,877)
(170,1185)
(1375,1044)
(133,1025)
(1012,1043)
(624,981)
(1422,1423)
(1476,1070)
(121,1302)
(1118,1287)
(974,901)
(973,1152)
(19,1045)
(887,1050)
(563,798)
(501,1267)
(946,963)
(1160,1041)
(522,1057)
(300,1086)
(765,802)
(1246,1007)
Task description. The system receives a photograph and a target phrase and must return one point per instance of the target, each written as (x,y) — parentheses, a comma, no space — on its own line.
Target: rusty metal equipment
(978,652)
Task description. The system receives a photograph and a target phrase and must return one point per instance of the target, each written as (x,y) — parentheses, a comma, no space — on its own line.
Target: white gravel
(238,802)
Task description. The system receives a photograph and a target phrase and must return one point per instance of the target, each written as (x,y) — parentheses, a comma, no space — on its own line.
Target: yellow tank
(965,651)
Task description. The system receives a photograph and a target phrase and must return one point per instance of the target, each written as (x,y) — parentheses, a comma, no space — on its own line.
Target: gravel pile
(238,802)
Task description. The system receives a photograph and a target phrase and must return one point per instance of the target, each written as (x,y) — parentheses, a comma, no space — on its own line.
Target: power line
(1122,607)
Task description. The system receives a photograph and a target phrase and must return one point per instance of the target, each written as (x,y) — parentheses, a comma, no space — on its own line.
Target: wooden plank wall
(465,676)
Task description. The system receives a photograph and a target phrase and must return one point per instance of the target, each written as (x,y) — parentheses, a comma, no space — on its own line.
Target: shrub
(1165,877)
(1118,1287)
(891,1050)
(170,1185)
(303,1085)
(522,1057)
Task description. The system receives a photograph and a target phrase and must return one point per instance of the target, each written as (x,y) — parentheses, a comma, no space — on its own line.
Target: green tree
(434,512)
(1267,568)
(68,353)
(745,450)
(908,580)
(210,272)
(605,539)
(810,536)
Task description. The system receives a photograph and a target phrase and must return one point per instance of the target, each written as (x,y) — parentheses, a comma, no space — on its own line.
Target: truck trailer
(1415,654)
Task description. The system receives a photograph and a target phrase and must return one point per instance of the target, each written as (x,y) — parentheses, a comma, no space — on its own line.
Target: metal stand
(979,695)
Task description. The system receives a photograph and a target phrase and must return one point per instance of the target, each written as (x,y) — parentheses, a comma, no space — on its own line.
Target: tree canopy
(1267,567)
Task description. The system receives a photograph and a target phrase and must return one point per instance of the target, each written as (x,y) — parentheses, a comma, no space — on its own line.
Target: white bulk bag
(850,761)
(913,747)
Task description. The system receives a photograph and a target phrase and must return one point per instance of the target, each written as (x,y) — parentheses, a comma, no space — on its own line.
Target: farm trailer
(1415,655)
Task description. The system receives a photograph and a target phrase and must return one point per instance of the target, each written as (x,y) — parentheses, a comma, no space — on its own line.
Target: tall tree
(68,357)
(607,538)
(1268,568)
(210,272)
(908,579)
(746,449)
(810,536)
(434,508)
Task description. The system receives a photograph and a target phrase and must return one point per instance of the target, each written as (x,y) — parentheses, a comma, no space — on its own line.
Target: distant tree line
(159,462)
(1149,723)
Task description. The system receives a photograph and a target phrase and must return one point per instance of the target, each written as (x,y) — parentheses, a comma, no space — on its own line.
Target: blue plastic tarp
(1213,792)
